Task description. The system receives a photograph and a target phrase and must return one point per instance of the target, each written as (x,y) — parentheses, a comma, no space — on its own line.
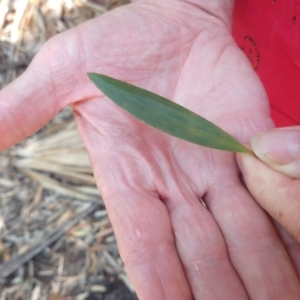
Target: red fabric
(268,32)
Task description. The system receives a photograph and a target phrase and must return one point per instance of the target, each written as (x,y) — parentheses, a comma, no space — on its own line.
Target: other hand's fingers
(277,193)
(279,149)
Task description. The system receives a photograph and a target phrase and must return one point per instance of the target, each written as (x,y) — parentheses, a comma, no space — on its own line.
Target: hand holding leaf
(172,246)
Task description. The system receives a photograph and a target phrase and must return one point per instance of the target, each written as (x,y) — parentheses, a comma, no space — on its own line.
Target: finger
(279,149)
(202,249)
(38,94)
(254,247)
(145,239)
(277,193)
(291,245)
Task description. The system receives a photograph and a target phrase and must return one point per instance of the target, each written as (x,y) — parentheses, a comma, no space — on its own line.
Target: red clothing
(268,31)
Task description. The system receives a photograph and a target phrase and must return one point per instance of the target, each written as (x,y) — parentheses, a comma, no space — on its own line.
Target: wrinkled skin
(274,180)
(172,246)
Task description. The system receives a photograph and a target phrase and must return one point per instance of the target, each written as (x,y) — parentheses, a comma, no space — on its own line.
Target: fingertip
(279,149)
(277,146)
(25,108)
(35,97)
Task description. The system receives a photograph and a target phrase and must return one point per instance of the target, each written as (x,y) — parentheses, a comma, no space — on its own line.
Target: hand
(275,184)
(172,246)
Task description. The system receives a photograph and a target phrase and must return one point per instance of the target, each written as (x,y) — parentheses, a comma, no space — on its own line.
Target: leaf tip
(245,150)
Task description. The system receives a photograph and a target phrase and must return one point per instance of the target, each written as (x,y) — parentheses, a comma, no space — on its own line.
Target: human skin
(172,246)
(272,176)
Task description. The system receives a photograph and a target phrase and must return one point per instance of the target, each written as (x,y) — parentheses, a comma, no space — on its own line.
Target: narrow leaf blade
(166,115)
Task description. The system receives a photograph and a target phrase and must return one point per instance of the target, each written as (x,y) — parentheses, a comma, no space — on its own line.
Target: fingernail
(279,146)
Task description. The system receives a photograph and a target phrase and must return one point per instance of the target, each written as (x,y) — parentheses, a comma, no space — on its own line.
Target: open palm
(173,247)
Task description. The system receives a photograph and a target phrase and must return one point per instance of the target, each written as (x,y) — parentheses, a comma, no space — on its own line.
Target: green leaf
(166,115)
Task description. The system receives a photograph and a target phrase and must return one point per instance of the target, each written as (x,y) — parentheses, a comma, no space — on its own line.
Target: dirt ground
(56,241)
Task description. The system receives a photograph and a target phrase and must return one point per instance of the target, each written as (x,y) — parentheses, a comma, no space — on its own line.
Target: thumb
(30,101)
(279,149)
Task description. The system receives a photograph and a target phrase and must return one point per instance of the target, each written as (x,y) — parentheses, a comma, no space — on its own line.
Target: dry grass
(56,241)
